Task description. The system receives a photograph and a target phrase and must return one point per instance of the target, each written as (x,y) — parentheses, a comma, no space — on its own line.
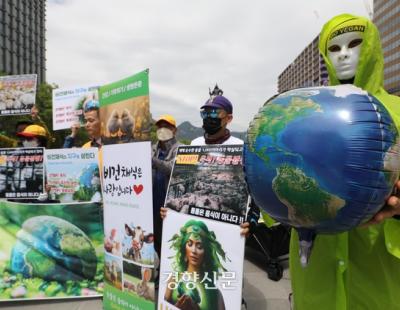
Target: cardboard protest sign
(73,174)
(201,264)
(128,226)
(21,172)
(125,110)
(69,104)
(208,181)
(17,94)
(50,251)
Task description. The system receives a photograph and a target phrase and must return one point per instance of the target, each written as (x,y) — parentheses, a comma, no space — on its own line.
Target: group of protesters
(368,279)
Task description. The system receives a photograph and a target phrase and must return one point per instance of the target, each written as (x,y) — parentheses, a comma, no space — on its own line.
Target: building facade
(307,70)
(22,37)
(387,19)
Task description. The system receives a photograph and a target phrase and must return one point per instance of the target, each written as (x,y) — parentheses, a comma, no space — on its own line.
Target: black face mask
(211,125)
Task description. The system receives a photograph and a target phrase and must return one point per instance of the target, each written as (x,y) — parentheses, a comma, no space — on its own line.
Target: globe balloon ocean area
(323,158)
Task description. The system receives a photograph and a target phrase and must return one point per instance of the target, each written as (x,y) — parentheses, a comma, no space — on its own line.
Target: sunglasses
(213,113)
(91,105)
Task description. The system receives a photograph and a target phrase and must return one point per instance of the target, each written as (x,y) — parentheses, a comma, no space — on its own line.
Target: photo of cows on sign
(138,245)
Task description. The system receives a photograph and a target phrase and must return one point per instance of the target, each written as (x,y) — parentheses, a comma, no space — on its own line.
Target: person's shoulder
(198,141)
(234,140)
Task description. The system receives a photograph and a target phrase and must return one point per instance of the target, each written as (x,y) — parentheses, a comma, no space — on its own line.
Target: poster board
(21,172)
(68,105)
(50,251)
(128,227)
(17,94)
(202,262)
(208,181)
(125,110)
(73,174)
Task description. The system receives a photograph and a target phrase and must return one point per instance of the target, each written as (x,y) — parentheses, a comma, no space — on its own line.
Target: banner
(208,181)
(17,94)
(128,227)
(50,251)
(125,110)
(68,105)
(73,174)
(21,173)
(201,264)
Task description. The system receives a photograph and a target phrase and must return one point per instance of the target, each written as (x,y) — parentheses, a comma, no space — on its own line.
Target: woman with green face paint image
(197,264)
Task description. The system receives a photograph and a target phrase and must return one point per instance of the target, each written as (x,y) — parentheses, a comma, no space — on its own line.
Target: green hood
(369,74)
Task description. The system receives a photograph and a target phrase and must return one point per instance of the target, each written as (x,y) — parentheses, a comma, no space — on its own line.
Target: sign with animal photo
(125,110)
(73,174)
(208,181)
(69,105)
(201,264)
(17,94)
(128,226)
(50,251)
(21,173)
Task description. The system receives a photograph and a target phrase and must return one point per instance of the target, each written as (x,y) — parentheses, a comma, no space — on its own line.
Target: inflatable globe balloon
(53,249)
(322,159)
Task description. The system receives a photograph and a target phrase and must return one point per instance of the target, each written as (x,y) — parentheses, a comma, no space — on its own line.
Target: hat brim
(164,120)
(26,134)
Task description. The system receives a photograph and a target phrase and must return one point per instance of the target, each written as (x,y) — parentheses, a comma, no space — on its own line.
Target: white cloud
(188,46)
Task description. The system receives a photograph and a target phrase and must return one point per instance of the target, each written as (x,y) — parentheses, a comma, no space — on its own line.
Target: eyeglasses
(91,105)
(214,113)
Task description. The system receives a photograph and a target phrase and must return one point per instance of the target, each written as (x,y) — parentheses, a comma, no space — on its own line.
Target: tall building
(308,69)
(387,19)
(22,37)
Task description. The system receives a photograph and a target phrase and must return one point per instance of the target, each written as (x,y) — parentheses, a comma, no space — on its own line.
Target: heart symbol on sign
(138,188)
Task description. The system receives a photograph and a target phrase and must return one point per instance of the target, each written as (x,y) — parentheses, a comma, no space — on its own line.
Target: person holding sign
(359,269)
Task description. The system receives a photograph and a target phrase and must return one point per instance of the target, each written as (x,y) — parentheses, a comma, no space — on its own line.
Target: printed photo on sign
(125,110)
(17,94)
(201,264)
(208,181)
(139,281)
(128,237)
(21,173)
(73,174)
(113,270)
(69,105)
(50,251)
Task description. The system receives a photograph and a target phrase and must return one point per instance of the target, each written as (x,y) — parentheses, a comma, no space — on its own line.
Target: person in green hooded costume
(359,269)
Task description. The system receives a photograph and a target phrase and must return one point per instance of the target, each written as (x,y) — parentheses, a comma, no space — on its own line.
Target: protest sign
(50,251)
(21,173)
(125,110)
(69,103)
(17,94)
(208,181)
(128,226)
(73,174)
(201,264)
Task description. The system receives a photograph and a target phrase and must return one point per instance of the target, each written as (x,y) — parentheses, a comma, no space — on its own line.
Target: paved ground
(259,292)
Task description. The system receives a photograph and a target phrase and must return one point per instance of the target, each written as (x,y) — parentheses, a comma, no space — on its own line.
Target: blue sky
(189,45)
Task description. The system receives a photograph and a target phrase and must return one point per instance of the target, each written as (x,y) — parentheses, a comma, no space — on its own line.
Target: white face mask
(30,143)
(344,53)
(164,134)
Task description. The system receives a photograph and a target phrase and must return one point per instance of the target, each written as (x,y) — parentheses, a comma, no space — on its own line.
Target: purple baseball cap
(219,102)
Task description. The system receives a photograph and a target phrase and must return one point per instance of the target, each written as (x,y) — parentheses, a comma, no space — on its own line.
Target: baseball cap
(33,131)
(219,102)
(167,118)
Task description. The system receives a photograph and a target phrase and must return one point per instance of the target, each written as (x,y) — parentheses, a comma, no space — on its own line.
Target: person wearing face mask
(163,156)
(216,113)
(359,269)
(33,136)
